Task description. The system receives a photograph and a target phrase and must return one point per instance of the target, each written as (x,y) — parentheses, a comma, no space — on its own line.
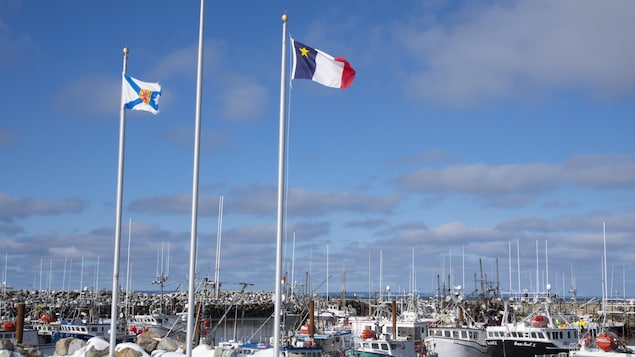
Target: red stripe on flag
(348,73)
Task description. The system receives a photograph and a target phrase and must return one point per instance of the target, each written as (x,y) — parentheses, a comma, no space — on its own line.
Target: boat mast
(218,242)
(605,292)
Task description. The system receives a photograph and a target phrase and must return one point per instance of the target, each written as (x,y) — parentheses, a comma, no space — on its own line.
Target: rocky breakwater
(147,344)
(97,304)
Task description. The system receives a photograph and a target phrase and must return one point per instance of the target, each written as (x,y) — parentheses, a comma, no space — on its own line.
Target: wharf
(244,304)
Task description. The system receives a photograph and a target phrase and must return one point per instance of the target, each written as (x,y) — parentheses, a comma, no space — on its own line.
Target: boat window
(534,335)
(384,346)
(463,334)
(541,335)
(446,333)
(455,334)
(375,346)
(418,333)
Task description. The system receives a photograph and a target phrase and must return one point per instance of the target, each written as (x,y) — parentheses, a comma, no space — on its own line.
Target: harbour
(246,317)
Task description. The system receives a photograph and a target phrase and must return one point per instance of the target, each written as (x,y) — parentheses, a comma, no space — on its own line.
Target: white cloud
(242,99)
(524,48)
(600,170)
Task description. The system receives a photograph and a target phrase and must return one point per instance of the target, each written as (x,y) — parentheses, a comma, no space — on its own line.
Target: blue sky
(473,132)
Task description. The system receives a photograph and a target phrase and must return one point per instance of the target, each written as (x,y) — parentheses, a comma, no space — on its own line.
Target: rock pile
(147,344)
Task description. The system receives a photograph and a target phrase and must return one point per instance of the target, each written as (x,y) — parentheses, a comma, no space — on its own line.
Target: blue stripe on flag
(305,64)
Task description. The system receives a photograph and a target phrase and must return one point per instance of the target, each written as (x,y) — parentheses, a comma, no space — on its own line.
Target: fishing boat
(461,341)
(387,323)
(540,333)
(606,341)
(374,343)
(334,342)
(30,339)
(607,344)
(164,325)
(305,344)
(457,333)
(81,330)
(402,335)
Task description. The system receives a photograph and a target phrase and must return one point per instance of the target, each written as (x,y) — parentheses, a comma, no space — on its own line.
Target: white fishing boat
(30,340)
(457,341)
(165,325)
(606,343)
(596,352)
(457,333)
(329,344)
(81,330)
(540,333)
(374,347)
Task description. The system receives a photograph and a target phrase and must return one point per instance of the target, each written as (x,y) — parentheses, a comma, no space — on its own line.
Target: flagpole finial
(125,50)
(285,18)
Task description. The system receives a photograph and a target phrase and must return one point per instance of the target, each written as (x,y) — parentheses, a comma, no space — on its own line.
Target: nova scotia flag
(139,95)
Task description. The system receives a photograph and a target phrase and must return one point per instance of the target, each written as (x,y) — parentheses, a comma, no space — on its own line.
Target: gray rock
(6,345)
(128,352)
(148,341)
(93,352)
(75,345)
(61,346)
(169,344)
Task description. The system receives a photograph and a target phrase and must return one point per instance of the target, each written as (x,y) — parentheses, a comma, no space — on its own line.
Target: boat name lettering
(524,344)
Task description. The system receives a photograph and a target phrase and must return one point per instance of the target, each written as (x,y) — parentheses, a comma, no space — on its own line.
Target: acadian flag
(139,95)
(313,64)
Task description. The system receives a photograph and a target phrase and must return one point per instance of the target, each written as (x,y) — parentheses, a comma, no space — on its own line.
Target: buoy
(367,333)
(305,329)
(46,318)
(607,341)
(539,321)
(8,326)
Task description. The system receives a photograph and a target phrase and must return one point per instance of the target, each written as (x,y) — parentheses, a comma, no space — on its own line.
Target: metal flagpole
(197,137)
(281,169)
(115,268)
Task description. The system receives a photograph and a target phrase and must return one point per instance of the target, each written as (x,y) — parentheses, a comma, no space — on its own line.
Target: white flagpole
(197,137)
(115,268)
(281,169)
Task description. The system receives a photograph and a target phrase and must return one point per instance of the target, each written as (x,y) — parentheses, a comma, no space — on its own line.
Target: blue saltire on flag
(139,95)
